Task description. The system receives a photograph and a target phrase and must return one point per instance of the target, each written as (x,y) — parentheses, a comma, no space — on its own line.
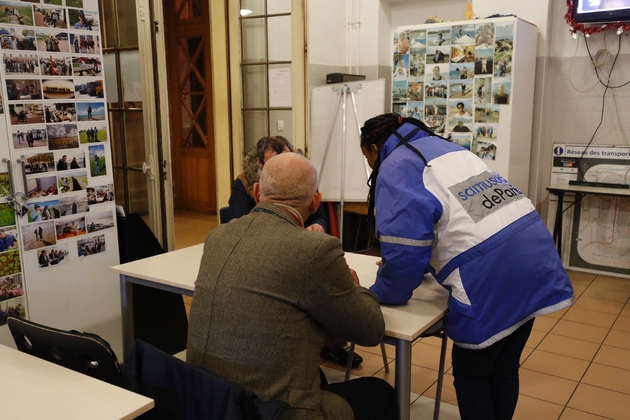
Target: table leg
(403,378)
(557,228)
(126,306)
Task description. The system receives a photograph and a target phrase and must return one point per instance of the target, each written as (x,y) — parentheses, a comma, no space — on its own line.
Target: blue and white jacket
(479,236)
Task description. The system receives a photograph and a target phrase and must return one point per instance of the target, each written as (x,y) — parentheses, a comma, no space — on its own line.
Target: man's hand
(316,228)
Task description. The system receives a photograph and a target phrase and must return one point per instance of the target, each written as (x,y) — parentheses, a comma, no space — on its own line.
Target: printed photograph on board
(460,89)
(97,159)
(10,263)
(15,14)
(7,215)
(62,136)
(8,238)
(416,65)
(438,55)
(399,91)
(461,109)
(85,44)
(484,35)
(38,235)
(52,41)
(502,91)
(20,63)
(416,110)
(39,211)
(26,113)
(462,53)
(53,255)
(488,114)
(29,137)
(39,163)
(459,125)
(50,17)
(61,112)
(401,66)
(484,62)
(503,48)
(73,204)
(463,34)
(56,66)
(91,111)
(462,71)
(483,90)
(69,228)
(99,222)
(41,186)
(70,159)
(415,89)
(464,140)
(83,20)
(438,37)
(93,132)
(88,89)
(86,66)
(100,194)
(484,149)
(58,88)
(401,42)
(10,288)
(485,132)
(17,39)
(418,41)
(91,246)
(73,182)
(21,89)
(5,186)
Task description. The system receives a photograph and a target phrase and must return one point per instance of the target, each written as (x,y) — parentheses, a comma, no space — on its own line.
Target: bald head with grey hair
(289,179)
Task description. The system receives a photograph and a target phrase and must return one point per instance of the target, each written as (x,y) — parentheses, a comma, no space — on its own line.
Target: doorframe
(152,48)
(150,15)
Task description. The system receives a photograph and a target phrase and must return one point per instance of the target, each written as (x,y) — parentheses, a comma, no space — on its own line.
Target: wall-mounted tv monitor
(601,11)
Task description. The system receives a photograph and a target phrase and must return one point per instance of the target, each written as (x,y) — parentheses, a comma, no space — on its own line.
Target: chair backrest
(82,352)
(224,215)
(184,391)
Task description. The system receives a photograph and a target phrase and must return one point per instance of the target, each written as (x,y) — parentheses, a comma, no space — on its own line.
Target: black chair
(82,352)
(436,330)
(186,392)
(159,316)
(224,215)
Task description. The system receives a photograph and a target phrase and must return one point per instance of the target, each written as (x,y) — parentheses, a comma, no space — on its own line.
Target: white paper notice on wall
(280,88)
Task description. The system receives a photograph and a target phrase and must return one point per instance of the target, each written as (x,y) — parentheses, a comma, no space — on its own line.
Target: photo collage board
(53,98)
(455,78)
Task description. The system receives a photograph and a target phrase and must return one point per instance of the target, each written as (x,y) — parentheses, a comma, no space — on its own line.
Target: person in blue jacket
(242,201)
(436,207)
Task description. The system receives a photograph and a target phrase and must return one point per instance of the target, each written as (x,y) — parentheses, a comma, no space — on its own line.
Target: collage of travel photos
(57,121)
(455,78)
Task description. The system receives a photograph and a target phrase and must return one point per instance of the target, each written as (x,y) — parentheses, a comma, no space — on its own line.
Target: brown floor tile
(578,277)
(390,350)
(626,310)
(613,356)
(421,378)
(525,354)
(556,365)
(580,331)
(598,319)
(608,294)
(535,337)
(528,408)
(428,356)
(544,323)
(448,391)
(610,282)
(578,289)
(608,377)
(599,305)
(622,324)
(602,402)
(572,414)
(619,339)
(568,346)
(372,363)
(546,387)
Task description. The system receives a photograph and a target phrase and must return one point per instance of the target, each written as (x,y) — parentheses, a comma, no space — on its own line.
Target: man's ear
(259,163)
(257,192)
(317,199)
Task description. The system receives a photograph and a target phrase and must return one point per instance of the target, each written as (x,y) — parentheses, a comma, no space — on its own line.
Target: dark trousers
(370,398)
(486,380)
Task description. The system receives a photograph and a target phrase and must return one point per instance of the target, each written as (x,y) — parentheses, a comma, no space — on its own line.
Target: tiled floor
(576,364)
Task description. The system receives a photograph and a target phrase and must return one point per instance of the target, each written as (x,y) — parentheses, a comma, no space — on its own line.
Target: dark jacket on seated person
(242,198)
(268,294)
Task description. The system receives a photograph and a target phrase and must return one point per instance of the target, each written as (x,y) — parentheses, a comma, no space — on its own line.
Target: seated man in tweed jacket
(270,293)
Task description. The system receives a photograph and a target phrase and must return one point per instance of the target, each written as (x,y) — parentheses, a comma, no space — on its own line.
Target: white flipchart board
(325,100)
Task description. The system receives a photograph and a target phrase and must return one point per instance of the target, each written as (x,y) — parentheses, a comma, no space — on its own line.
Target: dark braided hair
(376,131)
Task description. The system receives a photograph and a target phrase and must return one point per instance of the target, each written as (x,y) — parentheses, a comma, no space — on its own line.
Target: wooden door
(191,107)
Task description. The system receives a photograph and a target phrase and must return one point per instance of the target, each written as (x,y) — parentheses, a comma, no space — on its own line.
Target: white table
(38,389)
(177,271)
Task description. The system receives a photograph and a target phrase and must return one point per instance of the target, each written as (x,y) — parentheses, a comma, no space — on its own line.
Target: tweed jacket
(267,295)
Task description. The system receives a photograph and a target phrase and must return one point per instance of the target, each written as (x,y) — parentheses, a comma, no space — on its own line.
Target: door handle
(22,162)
